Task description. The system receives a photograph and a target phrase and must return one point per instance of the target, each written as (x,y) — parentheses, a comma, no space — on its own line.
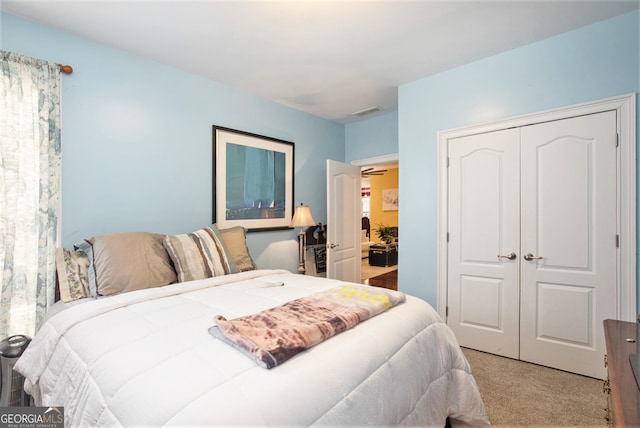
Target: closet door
(568,283)
(484,241)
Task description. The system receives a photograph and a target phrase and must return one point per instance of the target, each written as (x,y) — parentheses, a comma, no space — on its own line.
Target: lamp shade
(302,217)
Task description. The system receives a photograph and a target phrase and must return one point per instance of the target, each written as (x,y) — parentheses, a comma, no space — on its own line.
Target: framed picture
(252,180)
(390,200)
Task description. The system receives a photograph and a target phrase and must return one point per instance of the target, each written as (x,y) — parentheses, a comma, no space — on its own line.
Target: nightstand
(621,387)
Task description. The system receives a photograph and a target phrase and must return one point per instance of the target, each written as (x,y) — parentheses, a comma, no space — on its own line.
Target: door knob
(333,245)
(528,257)
(510,256)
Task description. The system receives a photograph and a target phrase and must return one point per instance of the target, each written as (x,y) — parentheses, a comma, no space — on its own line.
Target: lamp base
(301,252)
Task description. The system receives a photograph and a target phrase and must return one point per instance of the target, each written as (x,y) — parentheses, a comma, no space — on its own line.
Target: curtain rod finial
(66,69)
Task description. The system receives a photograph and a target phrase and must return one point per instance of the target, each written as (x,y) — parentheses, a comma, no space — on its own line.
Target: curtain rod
(66,69)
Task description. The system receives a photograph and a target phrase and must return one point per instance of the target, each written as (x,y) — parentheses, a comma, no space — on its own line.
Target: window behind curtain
(29,190)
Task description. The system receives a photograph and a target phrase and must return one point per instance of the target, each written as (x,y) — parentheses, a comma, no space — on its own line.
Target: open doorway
(380,209)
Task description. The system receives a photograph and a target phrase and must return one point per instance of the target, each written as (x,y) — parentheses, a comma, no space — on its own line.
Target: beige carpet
(516,393)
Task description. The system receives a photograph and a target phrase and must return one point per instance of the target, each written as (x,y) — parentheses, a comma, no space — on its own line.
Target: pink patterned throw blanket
(274,335)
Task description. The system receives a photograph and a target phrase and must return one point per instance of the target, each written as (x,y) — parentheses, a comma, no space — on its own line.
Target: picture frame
(252,180)
(390,200)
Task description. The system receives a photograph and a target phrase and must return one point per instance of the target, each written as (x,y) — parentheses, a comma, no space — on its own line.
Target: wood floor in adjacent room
(518,394)
(367,272)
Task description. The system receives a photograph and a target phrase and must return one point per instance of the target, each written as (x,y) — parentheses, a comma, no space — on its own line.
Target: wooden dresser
(623,401)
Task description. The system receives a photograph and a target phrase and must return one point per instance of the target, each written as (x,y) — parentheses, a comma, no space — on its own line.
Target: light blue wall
(137,142)
(137,135)
(372,137)
(594,62)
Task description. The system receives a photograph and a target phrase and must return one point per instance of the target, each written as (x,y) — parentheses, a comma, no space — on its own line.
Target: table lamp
(302,218)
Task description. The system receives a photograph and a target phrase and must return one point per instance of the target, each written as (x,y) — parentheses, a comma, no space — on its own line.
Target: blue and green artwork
(255,183)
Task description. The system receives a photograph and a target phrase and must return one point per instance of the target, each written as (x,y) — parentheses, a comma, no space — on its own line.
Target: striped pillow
(225,253)
(198,255)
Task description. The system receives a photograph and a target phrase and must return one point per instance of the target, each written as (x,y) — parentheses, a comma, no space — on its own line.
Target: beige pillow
(235,240)
(130,261)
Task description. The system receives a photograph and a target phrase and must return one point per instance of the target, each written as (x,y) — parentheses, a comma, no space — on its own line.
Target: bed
(145,357)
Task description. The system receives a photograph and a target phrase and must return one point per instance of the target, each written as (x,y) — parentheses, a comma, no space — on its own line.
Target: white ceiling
(328,58)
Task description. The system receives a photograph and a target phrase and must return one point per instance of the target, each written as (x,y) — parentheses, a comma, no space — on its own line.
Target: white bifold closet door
(532,241)
(484,222)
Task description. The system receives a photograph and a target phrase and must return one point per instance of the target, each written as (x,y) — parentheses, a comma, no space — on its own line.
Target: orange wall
(379,183)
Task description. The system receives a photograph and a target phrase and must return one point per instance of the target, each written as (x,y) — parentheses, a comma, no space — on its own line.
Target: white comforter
(145,358)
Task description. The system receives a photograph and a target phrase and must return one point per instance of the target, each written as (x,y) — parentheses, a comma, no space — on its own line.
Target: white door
(484,241)
(344,219)
(547,194)
(569,227)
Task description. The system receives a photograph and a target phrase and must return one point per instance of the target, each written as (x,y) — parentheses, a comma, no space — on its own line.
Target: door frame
(380,160)
(625,107)
(377,160)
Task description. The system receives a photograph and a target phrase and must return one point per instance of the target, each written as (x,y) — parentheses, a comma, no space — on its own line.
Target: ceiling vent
(366,111)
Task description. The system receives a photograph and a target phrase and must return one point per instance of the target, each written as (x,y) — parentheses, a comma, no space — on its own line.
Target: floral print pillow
(73,277)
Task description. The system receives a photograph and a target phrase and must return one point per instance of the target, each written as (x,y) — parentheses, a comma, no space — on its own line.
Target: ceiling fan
(371,171)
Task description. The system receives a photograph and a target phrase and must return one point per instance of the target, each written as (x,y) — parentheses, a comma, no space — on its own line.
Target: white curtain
(29,190)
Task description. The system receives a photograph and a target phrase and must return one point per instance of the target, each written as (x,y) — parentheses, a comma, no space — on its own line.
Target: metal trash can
(12,383)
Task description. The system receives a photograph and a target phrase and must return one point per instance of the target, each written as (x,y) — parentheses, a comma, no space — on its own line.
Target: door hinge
(447,236)
(446,311)
(447,162)
(617,140)
(617,241)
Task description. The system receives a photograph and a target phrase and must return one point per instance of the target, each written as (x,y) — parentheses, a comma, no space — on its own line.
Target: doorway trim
(377,160)
(625,107)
